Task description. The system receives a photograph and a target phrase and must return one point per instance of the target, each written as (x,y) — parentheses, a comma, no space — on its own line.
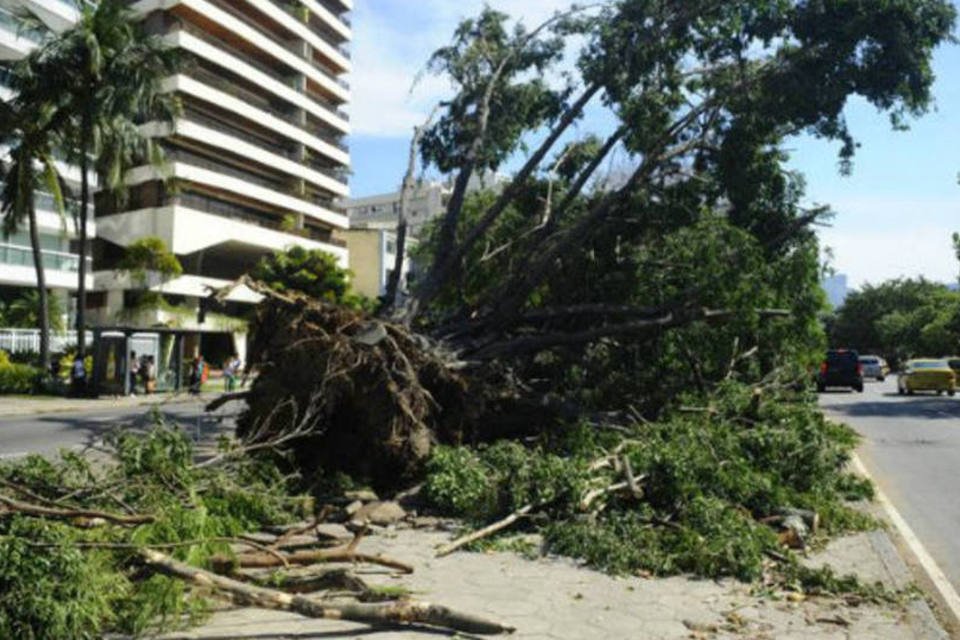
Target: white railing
(28,340)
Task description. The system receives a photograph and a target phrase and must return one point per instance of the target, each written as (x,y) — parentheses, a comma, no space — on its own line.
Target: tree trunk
(84,207)
(43,313)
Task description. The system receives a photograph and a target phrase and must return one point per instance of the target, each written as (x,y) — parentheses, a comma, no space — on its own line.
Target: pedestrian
(78,377)
(150,376)
(133,366)
(198,372)
(231,370)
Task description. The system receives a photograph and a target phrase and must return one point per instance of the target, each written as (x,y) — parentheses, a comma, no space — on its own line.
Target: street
(47,433)
(912,449)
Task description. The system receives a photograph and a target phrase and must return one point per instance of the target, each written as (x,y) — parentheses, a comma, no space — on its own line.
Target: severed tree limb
(397,613)
(39,511)
(406,193)
(343,553)
(488,530)
(591,496)
(306,581)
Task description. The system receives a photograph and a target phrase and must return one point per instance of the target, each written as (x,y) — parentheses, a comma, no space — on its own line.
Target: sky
(894,214)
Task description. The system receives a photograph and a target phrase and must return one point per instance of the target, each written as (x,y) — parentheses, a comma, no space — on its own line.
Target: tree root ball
(372,397)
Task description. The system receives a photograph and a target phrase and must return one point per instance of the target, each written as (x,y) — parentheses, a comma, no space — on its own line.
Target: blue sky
(895,213)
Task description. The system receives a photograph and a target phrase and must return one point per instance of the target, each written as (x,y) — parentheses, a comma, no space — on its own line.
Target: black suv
(841,368)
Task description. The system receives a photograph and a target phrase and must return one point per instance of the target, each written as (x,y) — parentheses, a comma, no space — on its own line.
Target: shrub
(18,378)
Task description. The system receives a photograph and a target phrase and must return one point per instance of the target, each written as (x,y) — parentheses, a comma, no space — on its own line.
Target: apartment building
(257,159)
(58,235)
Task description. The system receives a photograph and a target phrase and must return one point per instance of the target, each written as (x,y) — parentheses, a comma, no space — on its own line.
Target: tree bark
(17,506)
(406,192)
(448,252)
(84,207)
(486,531)
(309,556)
(43,312)
(394,613)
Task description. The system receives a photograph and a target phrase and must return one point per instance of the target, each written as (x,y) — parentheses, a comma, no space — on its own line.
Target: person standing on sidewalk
(150,375)
(78,377)
(230,371)
(133,372)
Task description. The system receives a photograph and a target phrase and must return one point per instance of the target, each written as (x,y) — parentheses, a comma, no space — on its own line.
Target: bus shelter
(113,347)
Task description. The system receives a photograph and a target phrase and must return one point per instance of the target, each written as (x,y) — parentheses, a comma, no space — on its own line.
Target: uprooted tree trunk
(370,396)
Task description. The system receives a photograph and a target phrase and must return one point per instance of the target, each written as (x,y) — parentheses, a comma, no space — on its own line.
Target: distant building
(428,202)
(373,254)
(836,289)
(372,237)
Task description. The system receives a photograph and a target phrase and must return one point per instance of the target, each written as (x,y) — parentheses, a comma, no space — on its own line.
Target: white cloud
(876,239)
(391,44)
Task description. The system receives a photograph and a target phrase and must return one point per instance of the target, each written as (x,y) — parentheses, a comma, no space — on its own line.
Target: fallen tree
(568,294)
(145,543)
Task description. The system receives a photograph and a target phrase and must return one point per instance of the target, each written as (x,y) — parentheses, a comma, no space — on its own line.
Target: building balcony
(217,177)
(336,56)
(60,268)
(15,43)
(58,14)
(186,227)
(217,90)
(274,158)
(225,17)
(333,23)
(210,49)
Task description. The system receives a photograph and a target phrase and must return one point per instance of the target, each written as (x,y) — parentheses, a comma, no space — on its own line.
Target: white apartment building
(58,236)
(258,157)
(255,163)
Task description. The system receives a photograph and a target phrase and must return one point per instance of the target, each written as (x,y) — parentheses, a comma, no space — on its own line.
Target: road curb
(947,596)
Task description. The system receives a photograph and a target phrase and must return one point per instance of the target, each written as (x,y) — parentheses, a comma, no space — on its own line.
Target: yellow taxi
(927,375)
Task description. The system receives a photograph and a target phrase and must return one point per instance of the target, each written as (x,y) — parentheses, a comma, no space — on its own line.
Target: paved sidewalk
(555,599)
(28,405)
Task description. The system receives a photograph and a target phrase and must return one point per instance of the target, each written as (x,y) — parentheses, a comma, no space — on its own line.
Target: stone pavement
(555,599)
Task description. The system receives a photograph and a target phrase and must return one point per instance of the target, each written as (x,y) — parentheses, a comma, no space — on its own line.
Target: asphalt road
(49,433)
(912,449)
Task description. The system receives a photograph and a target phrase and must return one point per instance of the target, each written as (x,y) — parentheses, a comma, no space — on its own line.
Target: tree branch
(394,613)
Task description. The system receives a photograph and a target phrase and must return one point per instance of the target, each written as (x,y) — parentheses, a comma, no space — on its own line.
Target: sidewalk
(11,406)
(553,598)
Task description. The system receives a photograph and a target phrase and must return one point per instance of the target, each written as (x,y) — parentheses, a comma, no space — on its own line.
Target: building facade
(256,160)
(836,289)
(255,163)
(373,255)
(58,235)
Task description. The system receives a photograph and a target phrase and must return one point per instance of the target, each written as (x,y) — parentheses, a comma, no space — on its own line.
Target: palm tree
(104,75)
(26,130)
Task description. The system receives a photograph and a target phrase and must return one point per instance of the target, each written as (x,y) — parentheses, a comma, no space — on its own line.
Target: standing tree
(104,75)
(24,128)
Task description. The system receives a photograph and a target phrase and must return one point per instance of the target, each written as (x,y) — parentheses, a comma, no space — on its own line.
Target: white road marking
(949,595)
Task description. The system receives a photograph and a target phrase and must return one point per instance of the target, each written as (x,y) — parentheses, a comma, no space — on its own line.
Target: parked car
(927,375)
(874,367)
(841,368)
